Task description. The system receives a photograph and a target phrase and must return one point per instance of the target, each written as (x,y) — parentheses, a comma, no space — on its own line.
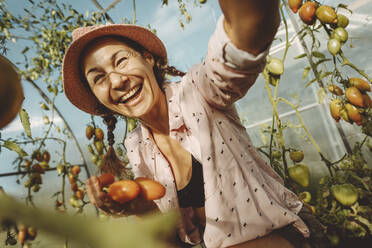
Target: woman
(190,137)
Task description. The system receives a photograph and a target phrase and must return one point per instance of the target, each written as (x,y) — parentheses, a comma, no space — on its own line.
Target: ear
(149,58)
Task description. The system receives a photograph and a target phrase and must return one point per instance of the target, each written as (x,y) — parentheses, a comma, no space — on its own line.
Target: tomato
(367,100)
(150,189)
(335,90)
(22,235)
(354,96)
(123,191)
(360,84)
(305,196)
(79,194)
(342,21)
(275,66)
(99,134)
(326,14)
(334,46)
(296,156)
(353,113)
(11,93)
(75,170)
(300,174)
(294,5)
(99,146)
(46,156)
(71,178)
(340,34)
(346,194)
(74,187)
(89,132)
(106,179)
(307,12)
(37,155)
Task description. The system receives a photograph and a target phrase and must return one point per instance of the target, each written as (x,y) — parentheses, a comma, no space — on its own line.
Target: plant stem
(301,122)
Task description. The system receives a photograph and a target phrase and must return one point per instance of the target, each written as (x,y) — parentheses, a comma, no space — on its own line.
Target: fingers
(95,193)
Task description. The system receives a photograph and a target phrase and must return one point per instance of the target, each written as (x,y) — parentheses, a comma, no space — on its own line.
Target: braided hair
(111,163)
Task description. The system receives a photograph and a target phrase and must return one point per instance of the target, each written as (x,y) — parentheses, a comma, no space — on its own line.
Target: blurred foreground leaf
(151,231)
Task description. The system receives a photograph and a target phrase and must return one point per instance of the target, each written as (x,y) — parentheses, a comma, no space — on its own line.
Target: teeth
(130,93)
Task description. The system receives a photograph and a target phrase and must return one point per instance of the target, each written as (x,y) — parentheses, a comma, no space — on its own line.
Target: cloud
(36,122)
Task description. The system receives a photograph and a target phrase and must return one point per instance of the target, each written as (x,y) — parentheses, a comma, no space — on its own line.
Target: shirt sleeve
(227,72)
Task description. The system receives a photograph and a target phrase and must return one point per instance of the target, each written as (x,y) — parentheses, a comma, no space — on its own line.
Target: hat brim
(75,88)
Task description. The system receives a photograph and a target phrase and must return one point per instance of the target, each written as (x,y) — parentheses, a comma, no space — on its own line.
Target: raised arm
(251,24)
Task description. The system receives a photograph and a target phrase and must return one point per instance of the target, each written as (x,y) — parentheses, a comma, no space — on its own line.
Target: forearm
(251,24)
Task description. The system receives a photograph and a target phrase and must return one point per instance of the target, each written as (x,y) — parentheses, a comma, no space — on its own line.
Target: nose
(118,80)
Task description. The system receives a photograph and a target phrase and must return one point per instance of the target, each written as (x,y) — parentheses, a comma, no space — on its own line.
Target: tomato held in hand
(123,191)
(150,189)
(106,179)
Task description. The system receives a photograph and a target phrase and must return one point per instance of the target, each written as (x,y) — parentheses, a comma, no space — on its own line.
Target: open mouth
(132,94)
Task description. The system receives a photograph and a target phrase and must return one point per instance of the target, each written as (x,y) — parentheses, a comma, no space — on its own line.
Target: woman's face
(121,78)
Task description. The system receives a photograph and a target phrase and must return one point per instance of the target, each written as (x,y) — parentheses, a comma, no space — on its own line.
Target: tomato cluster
(79,193)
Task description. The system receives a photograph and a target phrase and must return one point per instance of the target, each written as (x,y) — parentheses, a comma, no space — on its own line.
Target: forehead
(103,47)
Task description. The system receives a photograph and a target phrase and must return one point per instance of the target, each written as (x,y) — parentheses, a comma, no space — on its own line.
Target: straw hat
(76,88)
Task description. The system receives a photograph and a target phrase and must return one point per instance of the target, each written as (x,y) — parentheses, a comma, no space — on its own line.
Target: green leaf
(14,147)
(321,61)
(344,6)
(300,56)
(310,82)
(318,54)
(25,119)
(325,74)
(306,72)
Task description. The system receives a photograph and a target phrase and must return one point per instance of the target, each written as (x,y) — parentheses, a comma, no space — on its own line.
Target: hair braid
(110,121)
(111,163)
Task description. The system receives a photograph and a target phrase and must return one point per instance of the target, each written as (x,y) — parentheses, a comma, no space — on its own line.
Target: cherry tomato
(150,189)
(106,179)
(123,191)
(75,170)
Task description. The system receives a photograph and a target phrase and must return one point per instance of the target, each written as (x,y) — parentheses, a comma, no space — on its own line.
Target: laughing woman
(190,137)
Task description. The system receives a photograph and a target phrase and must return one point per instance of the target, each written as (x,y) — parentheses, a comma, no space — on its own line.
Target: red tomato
(123,191)
(150,189)
(75,170)
(106,179)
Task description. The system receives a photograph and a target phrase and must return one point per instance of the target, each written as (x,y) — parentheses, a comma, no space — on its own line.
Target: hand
(100,199)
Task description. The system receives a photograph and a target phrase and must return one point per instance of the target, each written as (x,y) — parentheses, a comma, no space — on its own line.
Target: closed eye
(121,61)
(97,78)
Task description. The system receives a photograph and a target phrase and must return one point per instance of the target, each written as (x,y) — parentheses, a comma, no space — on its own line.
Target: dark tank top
(193,194)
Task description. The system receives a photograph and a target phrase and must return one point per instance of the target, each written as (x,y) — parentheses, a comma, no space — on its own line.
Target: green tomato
(305,196)
(300,174)
(346,194)
(342,21)
(296,156)
(340,34)
(275,66)
(334,46)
